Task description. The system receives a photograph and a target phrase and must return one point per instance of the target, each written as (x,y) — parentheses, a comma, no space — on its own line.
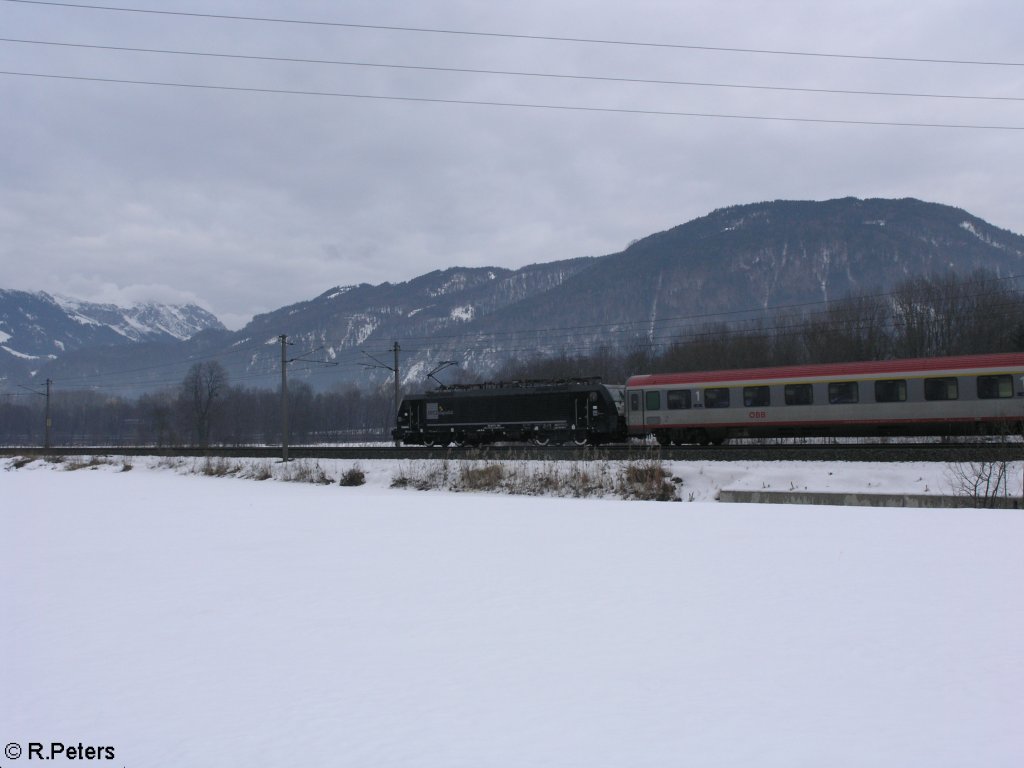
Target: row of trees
(204,410)
(922,318)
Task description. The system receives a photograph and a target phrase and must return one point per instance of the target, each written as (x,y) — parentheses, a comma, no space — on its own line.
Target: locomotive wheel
(428,442)
(541,440)
(579,440)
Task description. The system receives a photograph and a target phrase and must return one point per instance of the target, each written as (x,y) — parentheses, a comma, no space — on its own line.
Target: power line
(518,36)
(513,73)
(522,105)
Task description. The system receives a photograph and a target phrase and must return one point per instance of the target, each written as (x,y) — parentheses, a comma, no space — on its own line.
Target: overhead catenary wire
(523,36)
(513,73)
(524,105)
(527,103)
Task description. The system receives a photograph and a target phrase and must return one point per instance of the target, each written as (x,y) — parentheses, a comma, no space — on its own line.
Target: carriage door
(634,411)
(581,412)
(415,414)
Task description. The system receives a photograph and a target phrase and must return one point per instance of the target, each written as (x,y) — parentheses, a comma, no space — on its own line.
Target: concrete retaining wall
(860,499)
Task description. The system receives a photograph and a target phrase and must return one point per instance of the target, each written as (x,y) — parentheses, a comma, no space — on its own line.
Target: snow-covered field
(197,621)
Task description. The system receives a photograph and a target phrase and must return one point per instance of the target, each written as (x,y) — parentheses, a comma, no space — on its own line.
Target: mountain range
(38,329)
(738,260)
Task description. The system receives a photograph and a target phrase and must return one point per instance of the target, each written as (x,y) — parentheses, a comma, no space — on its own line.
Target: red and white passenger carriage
(976,394)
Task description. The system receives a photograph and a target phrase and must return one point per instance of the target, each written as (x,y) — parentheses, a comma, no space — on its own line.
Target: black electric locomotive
(573,410)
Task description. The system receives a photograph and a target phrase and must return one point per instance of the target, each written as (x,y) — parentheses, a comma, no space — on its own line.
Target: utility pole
(394,369)
(284,397)
(397,350)
(49,421)
(283,338)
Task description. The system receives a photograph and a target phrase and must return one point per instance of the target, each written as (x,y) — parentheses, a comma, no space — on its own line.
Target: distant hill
(37,329)
(737,259)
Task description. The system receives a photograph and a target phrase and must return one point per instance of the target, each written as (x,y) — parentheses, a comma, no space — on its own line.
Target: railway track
(945,452)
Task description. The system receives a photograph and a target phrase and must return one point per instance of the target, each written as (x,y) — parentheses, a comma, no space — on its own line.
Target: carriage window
(634,401)
(717,397)
(652,401)
(842,392)
(891,391)
(678,399)
(941,389)
(991,387)
(799,394)
(756,397)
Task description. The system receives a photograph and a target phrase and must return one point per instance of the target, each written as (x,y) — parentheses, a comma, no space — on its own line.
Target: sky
(229,174)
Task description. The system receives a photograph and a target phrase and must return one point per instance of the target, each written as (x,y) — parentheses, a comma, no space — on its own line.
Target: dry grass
(305,472)
(645,480)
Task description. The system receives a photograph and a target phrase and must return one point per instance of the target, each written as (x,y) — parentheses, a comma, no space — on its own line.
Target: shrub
(488,477)
(304,472)
(647,481)
(423,475)
(353,477)
(980,483)
(260,471)
(83,462)
(219,467)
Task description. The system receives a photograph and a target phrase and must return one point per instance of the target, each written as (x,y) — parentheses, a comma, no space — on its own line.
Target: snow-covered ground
(197,621)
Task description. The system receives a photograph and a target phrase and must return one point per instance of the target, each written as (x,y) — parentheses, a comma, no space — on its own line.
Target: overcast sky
(244,201)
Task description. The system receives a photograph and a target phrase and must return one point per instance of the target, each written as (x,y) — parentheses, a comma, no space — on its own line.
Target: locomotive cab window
(891,391)
(945,388)
(843,392)
(992,387)
(678,399)
(716,397)
(652,401)
(756,397)
(799,394)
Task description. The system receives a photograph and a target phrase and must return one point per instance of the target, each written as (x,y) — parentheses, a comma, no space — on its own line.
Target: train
(968,395)
(581,411)
(943,396)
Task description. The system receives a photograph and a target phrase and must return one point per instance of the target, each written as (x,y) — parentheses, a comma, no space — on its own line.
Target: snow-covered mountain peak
(36,325)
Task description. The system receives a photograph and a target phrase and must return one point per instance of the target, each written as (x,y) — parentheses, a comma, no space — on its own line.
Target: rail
(943,452)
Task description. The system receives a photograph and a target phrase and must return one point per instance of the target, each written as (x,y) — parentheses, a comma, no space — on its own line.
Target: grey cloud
(249,201)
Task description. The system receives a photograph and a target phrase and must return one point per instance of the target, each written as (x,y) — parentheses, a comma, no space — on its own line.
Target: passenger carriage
(977,394)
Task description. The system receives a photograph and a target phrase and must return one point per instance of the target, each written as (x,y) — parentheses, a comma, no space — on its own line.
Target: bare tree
(981,483)
(951,315)
(851,329)
(204,383)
